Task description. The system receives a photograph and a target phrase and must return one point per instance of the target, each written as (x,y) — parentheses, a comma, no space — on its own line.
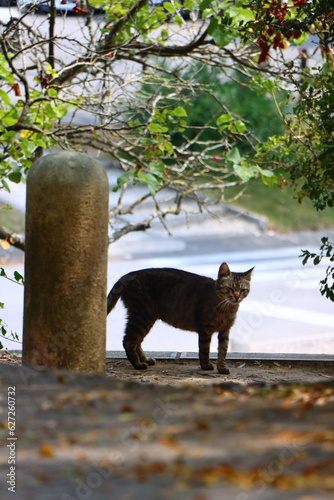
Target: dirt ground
(172,432)
(181,372)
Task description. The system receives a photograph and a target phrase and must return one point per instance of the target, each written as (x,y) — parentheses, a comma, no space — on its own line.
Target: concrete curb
(233,356)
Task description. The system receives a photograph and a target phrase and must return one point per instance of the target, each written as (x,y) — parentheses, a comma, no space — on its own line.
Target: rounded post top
(68,166)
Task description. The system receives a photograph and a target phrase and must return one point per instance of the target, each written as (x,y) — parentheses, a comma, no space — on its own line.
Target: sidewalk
(101,437)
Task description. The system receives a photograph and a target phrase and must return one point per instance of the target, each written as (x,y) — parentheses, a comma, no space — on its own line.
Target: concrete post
(66,263)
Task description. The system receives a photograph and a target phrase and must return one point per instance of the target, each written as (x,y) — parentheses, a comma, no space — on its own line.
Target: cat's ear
(224,270)
(248,274)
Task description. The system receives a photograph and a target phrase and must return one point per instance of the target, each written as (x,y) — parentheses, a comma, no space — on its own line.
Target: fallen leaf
(169,441)
(127,408)
(46,450)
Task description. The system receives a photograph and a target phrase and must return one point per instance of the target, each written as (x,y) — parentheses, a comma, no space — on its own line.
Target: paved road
(284,312)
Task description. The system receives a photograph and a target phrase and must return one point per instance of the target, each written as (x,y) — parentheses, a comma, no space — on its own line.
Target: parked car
(69,6)
(7,3)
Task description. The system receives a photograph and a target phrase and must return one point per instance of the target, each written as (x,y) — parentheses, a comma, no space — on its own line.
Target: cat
(184,300)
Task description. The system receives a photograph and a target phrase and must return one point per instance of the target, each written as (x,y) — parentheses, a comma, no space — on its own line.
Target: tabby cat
(183,300)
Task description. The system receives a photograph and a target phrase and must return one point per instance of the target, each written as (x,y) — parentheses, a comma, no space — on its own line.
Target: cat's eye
(244,291)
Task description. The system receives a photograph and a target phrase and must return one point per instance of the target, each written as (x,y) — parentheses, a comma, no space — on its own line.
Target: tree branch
(52,34)
(130,228)
(14,239)
(109,39)
(107,45)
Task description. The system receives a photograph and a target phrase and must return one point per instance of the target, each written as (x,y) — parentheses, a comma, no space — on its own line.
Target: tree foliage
(326,252)
(4,332)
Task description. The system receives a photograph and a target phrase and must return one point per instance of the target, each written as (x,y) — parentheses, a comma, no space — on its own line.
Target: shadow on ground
(100,437)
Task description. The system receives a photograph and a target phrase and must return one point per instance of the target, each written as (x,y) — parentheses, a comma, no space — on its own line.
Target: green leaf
(169,7)
(269,180)
(10,118)
(27,147)
(223,119)
(154,178)
(153,183)
(179,21)
(54,111)
(205,4)
(301,40)
(49,70)
(214,22)
(234,156)
(5,185)
(15,177)
(244,172)
(157,128)
(179,111)
(240,13)
(41,143)
(306,257)
(18,277)
(50,111)
(52,92)
(164,35)
(157,168)
(5,73)
(168,147)
(123,179)
(238,126)
(5,97)
(224,35)
(8,136)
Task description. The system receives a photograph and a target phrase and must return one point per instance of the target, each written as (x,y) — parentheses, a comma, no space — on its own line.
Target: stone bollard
(66,263)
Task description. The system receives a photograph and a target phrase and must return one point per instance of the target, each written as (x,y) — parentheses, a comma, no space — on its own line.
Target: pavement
(81,436)
(285,295)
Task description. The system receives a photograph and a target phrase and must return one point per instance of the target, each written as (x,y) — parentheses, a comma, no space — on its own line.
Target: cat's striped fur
(184,300)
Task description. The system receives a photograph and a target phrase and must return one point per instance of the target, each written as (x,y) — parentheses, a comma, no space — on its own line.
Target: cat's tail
(114,295)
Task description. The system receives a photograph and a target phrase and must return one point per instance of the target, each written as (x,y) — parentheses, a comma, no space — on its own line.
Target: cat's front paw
(223,369)
(207,366)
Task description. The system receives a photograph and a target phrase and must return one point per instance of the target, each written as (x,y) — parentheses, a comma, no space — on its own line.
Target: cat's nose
(237,295)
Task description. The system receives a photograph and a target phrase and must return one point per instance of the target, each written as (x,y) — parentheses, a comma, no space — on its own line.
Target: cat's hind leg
(136,330)
(142,356)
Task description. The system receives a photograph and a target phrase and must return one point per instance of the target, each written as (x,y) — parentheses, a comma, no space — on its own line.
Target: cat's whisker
(222,305)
